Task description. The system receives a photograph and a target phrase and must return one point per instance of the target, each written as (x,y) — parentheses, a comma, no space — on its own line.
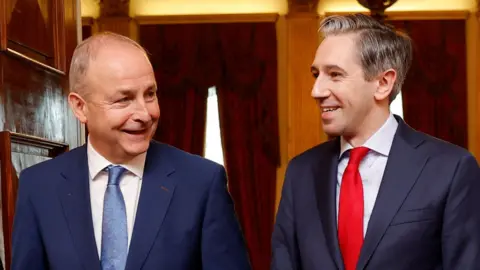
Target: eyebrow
(126,91)
(330,67)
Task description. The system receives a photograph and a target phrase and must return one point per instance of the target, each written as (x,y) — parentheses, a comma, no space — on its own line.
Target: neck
(113,157)
(371,124)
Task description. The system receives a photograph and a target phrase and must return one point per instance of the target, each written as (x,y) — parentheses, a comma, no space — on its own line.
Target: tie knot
(357,154)
(114,174)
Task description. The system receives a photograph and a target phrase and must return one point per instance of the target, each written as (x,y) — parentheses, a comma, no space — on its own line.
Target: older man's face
(122,109)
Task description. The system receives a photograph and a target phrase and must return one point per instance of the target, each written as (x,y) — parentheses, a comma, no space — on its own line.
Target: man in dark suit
(123,201)
(380,195)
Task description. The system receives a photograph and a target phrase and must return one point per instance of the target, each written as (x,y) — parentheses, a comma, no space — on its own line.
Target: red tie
(350,213)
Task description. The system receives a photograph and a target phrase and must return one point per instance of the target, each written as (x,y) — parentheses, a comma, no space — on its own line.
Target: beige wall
(401,5)
(176,7)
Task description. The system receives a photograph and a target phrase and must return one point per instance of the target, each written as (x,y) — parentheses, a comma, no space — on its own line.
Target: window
(213,137)
(396,107)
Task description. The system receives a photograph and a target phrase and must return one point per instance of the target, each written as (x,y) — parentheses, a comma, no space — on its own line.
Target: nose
(320,88)
(141,113)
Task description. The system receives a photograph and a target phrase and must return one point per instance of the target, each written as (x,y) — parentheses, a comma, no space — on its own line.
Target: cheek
(154,110)
(354,95)
(118,118)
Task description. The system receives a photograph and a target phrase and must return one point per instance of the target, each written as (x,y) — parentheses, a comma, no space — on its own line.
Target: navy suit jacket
(426,215)
(185,217)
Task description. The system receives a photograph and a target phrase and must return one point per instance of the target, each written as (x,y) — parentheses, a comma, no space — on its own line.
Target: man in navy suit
(123,201)
(380,195)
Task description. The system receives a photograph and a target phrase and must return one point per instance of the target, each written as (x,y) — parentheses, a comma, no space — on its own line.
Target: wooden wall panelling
(304,121)
(3,25)
(18,152)
(88,27)
(33,99)
(44,42)
(37,39)
(114,17)
(473,69)
(33,81)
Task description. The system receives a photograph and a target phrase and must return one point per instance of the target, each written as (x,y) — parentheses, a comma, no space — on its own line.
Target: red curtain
(247,97)
(185,66)
(435,91)
(240,59)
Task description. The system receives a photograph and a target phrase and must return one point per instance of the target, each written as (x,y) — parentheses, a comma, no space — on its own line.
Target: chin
(136,148)
(332,131)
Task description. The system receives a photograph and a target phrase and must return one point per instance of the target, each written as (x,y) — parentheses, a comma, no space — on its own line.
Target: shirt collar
(96,163)
(380,142)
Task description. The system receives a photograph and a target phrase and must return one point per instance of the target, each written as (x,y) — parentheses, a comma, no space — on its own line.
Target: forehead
(119,62)
(340,50)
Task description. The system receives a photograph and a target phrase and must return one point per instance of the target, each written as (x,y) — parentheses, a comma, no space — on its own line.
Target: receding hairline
(87,51)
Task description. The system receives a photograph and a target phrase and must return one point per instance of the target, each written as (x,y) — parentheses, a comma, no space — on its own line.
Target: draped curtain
(185,66)
(249,123)
(240,59)
(435,90)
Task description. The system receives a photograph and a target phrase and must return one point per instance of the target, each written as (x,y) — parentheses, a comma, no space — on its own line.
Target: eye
(151,94)
(335,74)
(122,100)
(315,74)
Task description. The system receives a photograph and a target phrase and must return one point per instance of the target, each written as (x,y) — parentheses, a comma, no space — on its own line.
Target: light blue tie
(114,225)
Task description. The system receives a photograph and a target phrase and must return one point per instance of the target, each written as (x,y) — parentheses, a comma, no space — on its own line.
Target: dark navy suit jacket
(426,215)
(185,217)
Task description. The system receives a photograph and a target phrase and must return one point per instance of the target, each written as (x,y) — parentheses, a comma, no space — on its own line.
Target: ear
(385,84)
(78,106)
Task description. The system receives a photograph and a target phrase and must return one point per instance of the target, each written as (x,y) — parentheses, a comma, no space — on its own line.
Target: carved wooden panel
(36,43)
(89,26)
(302,6)
(33,95)
(33,100)
(37,39)
(114,8)
(35,30)
(18,152)
(86,31)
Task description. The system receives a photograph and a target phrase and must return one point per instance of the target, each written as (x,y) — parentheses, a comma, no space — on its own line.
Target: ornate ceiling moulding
(377,7)
(114,8)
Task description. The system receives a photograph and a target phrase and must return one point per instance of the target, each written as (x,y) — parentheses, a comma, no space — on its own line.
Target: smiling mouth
(135,132)
(330,109)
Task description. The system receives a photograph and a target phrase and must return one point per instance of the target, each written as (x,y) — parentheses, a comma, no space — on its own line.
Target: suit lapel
(404,165)
(326,197)
(157,190)
(74,195)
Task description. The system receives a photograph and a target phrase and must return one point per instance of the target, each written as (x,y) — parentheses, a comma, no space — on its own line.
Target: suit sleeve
(284,247)
(461,222)
(27,246)
(223,245)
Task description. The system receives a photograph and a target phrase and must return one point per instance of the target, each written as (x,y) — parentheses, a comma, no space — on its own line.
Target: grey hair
(86,51)
(380,47)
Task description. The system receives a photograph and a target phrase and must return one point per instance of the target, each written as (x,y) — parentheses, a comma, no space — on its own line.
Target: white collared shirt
(130,185)
(372,166)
